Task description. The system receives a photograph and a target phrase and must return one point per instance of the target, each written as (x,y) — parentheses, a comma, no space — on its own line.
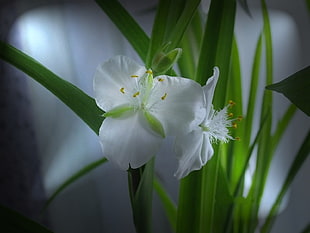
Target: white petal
(178,103)
(128,140)
(209,88)
(113,84)
(193,151)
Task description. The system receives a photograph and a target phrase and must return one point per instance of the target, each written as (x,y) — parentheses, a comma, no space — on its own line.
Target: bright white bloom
(141,110)
(194,149)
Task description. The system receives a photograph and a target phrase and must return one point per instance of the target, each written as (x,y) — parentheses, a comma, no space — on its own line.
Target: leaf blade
(79,102)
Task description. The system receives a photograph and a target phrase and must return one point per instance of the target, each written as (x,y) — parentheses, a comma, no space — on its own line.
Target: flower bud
(162,62)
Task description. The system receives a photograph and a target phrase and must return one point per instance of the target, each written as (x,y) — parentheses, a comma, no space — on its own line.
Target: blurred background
(42,142)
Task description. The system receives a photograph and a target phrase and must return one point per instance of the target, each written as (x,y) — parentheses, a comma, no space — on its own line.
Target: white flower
(141,110)
(194,149)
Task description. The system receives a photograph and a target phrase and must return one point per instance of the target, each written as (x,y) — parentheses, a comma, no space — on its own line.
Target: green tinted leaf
(216,47)
(82,104)
(127,25)
(140,183)
(300,158)
(296,88)
(168,204)
(74,178)
(14,222)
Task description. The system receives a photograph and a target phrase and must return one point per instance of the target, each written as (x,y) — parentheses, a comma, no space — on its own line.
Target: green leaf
(300,158)
(296,88)
(307,228)
(127,25)
(82,104)
(216,47)
(14,222)
(168,204)
(197,210)
(140,182)
(85,170)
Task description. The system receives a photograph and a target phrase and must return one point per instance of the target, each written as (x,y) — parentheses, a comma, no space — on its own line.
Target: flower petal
(209,88)
(193,151)
(128,140)
(115,81)
(178,103)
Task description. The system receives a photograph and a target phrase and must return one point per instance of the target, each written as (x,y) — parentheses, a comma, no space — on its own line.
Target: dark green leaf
(168,204)
(296,88)
(82,104)
(14,222)
(74,178)
(140,183)
(127,25)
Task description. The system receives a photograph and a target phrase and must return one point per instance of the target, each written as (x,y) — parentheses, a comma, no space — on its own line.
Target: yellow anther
(230,114)
(136,94)
(134,76)
(122,90)
(239,118)
(234,125)
(231,103)
(164,96)
(160,80)
(149,72)
(237,138)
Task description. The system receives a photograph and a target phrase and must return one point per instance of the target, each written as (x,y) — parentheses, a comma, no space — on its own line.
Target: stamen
(136,94)
(149,72)
(134,76)
(230,114)
(164,96)
(160,80)
(231,103)
(239,118)
(237,138)
(234,125)
(122,90)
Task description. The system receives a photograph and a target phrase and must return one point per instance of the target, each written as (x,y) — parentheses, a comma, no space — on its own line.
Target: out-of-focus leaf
(14,222)
(127,25)
(168,204)
(82,104)
(296,88)
(300,158)
(74,178)
(140,183)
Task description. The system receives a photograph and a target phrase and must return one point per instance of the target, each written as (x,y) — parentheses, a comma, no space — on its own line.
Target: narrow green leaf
(282,125)
(300,158)
(127,25)
(248,121)
(296,88)
(158,42)
(216,47)
(140,183)
(85,170)
(308,4)
(179,29)
(14,222)
(190,45)
(264,153)
(195,213)
(82,104)
(168,204)
(188,215)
